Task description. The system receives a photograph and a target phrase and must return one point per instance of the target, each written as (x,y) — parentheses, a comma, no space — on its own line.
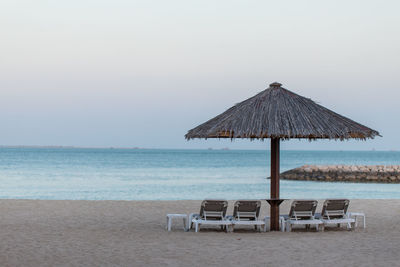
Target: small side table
(171,216)
(358,214)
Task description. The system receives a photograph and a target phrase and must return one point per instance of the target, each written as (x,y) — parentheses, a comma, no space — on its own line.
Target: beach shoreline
(132,233)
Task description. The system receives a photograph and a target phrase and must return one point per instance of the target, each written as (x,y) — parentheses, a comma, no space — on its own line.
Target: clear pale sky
(142,73)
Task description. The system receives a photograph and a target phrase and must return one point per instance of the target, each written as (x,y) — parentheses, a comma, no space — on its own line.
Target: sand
(132,233)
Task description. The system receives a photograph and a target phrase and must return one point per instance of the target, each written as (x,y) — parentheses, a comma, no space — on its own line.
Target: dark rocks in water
(345,173)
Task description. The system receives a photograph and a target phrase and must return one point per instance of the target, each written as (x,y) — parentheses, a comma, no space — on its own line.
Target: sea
(168,174)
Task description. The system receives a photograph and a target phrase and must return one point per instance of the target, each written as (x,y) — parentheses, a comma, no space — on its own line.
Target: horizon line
(149,148)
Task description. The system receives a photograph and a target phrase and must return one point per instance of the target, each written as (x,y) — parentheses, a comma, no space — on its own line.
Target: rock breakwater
(345,173)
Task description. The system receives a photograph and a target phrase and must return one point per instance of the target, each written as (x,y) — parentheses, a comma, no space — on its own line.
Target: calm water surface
(127,174)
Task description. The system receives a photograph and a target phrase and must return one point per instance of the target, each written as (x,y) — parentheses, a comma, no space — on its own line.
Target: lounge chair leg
(197,227)
(188,223)
(184,225)
(168,225)
(338,225)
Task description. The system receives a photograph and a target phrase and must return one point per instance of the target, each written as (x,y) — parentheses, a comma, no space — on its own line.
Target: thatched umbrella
(278,113)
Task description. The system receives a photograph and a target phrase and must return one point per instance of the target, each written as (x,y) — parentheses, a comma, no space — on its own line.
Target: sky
(142,73)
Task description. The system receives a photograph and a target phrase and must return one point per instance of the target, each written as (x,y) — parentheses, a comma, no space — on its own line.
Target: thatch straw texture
(279,113)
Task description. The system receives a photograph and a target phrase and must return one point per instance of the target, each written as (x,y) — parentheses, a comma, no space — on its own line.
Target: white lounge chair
(334,211)
(246,212)
(212,212)
(302,213)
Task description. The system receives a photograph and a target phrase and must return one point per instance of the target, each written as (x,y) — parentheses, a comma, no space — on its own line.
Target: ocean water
(146,174)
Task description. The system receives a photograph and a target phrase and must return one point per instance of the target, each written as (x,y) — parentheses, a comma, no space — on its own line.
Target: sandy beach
(132,233)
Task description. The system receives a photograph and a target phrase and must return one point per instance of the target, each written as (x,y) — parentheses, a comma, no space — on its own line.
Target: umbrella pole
(274,212)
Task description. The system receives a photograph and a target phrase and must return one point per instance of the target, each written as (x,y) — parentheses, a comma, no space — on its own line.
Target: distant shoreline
(202,149)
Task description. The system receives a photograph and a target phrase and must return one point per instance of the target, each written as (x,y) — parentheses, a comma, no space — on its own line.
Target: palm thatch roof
(279,113)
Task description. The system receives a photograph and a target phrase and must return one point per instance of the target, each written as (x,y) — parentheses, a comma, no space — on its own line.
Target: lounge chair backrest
(303,209)
(335,208)
(213,209)
(247,209)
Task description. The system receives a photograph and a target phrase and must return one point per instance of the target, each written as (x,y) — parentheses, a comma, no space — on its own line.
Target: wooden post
(274,226)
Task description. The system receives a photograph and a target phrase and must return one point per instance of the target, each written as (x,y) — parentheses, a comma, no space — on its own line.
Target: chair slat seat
(258,222)
(212,222)
(305,222)
(336,221)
